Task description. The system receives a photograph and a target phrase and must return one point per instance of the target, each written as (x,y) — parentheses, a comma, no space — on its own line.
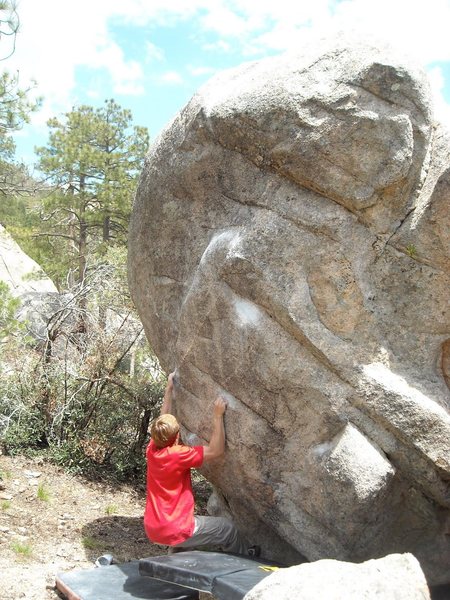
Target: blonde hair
(164,430)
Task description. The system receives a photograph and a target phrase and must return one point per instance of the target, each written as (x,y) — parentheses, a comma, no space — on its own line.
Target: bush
(86,396)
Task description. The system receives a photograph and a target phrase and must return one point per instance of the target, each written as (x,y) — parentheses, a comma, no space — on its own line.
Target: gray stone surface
(394,577)
(20,272)
(290,249)
(38,295)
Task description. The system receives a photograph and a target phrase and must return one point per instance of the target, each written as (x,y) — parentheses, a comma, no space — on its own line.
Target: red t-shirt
(169,509)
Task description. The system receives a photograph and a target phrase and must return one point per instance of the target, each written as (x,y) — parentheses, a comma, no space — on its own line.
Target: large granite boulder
(290,249)
(394,577)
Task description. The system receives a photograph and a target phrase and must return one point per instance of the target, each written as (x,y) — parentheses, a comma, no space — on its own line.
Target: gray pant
(214,531)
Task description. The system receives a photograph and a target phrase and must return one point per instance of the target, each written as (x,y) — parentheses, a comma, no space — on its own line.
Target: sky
(152,55)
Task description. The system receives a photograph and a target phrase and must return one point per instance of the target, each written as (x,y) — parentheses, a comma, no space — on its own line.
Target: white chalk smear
(228,238)
(190,439)
(232,402)
(248,313)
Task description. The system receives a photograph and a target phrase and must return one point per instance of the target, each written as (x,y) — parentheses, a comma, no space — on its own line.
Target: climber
(169,512)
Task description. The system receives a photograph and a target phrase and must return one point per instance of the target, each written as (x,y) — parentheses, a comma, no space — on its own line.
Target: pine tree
(92,160)
(15,105)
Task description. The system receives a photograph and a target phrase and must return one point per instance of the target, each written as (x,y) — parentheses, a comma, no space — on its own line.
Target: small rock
(4,496)
(4,529)
(32,474)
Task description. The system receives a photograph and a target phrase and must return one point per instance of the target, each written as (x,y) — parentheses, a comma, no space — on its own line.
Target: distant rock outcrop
(290,249)
(20,272)
(27,281)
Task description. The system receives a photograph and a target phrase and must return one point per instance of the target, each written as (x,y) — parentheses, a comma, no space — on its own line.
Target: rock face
(290,249)
(27,281)
(395,577)
(20,272)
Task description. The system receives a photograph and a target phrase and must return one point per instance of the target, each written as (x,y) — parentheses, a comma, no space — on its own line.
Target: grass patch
(411,250)
(21,549)
(42,493)
(91,544)
(5,504)
(111,509)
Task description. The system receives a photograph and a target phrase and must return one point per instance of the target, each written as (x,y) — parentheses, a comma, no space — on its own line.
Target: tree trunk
(82,259)
(102,310)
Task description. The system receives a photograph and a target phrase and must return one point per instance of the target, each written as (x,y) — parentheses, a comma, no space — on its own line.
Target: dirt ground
(51,522)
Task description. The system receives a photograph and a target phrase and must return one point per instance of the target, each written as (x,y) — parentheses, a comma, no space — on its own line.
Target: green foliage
(15,110)
(5,504)
(42,493)
(22,424)
(111,509)
(9,305)
(85,398)
(411,250)
(91,544)
(92,159)
(15,105)
(5,474)
(9,24)
(22,549)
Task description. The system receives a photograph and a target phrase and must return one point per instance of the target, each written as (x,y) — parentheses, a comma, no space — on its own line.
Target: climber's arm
(166,407)
(216,446)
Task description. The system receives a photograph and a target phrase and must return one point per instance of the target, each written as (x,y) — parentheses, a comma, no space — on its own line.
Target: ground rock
(395,577)
(289,249)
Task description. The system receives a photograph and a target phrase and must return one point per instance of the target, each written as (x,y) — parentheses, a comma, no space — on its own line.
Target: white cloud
(200,71)
(126,75)
(171,78)
(219,46)
(224,21)
(153,52)
(419,29)
(94,94)
(57,38)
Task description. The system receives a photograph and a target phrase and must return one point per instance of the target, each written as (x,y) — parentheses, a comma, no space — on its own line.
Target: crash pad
(118,582)
(227,576)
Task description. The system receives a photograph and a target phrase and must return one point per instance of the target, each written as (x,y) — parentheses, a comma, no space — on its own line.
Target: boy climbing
(169,513)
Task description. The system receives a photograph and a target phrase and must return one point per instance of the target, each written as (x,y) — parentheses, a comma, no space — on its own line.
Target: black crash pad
(227,576)
(118,582)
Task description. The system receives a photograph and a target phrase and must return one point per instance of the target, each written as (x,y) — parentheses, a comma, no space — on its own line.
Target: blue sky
(152,55)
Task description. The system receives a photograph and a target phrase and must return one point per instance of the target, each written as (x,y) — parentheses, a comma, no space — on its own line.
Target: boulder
(290,250)
(39,297)
(20,272)
(395,577)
